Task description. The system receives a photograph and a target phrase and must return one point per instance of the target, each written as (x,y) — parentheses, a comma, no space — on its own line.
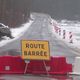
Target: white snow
(68,26)
(16,33)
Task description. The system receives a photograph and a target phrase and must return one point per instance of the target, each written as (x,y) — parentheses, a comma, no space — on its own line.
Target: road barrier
(11,65)
(16,65)
(57,65)
(70,37)
(60,31)
(76,68)
(56,29)
(64,34)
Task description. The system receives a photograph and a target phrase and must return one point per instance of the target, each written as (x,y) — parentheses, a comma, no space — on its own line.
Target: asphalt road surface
(34,77)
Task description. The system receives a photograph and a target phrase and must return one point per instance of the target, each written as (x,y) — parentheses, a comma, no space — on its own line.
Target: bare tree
(14,12)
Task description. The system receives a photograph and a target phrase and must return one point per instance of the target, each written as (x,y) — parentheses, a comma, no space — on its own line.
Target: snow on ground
(68,26)
(16,33)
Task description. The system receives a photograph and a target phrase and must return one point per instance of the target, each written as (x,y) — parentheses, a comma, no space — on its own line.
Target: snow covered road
(40,29)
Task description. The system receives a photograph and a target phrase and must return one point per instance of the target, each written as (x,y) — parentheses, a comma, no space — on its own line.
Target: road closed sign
(35,50)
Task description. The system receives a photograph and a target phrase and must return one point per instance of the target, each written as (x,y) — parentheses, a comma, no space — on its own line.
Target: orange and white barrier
(70,37)
(56,29)
(64,34)
(59,31)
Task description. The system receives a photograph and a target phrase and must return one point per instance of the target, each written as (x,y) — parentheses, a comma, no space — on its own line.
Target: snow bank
(16,33)
(68,26)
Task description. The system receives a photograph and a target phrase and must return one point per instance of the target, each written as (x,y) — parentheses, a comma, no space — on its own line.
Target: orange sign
(35,50)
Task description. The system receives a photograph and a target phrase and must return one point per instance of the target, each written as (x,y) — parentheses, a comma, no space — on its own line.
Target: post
(46,68)
(64,33)
(27,62)
(70,37)
(59,31)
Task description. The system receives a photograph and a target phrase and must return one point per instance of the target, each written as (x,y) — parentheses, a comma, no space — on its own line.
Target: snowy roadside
(16,33)
(75,45)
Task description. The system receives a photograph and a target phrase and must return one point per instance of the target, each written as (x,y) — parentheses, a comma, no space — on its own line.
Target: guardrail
(64,34)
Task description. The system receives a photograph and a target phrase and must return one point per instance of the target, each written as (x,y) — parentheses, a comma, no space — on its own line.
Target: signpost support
(46,68)
(25,68)
(27,62)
